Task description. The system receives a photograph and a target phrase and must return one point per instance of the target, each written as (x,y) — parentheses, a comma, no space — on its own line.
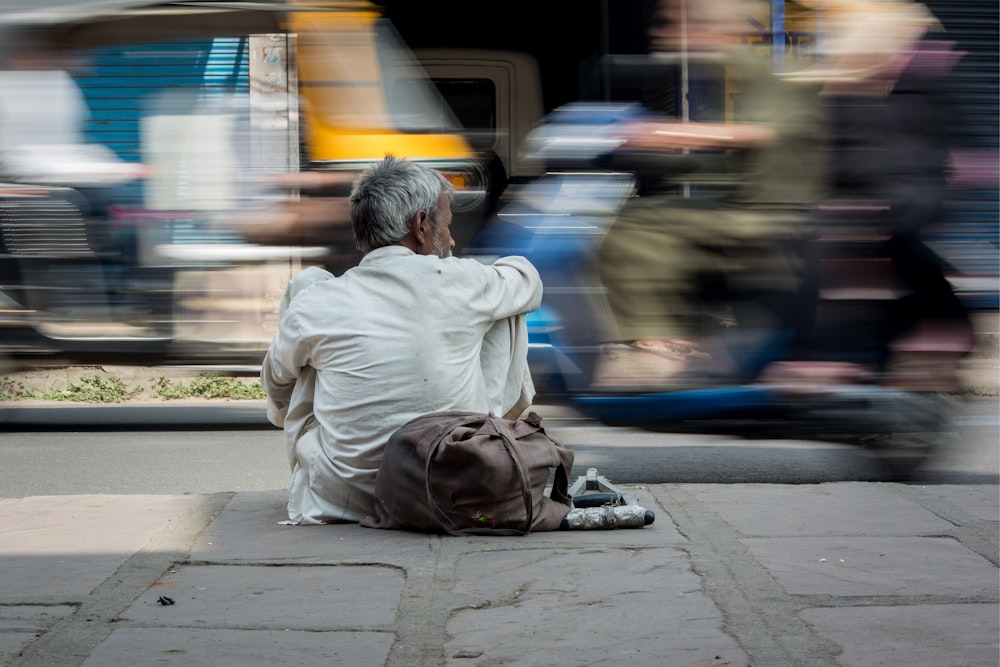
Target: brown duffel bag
(468,473)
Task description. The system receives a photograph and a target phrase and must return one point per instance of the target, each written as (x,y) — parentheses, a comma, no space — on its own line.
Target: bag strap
(513,446)
(446,429)
(512,431)
(560,482)
(510,444)
(532,423)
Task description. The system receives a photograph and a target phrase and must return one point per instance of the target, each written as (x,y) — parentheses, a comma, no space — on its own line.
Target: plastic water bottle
(607,517)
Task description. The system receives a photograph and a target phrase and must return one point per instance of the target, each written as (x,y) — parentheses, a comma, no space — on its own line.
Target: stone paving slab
(192,647)
(935,635)
(249,529)
(978,501)
(268,597)
(615,606)
(19,624)
(59,548)
(848,508)
(876,566)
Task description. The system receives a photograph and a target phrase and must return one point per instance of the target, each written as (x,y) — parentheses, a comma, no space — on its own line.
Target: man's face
(694,24)
(442,243)
(664,30)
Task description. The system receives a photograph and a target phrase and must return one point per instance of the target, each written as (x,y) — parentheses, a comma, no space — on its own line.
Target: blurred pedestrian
(409,331)
(884,66)
(42,118)
(658,252)
(42,142)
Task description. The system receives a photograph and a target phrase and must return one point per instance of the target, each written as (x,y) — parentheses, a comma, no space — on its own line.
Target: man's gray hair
(388,195)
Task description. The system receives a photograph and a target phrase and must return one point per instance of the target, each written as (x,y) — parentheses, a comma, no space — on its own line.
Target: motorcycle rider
(661,245)
(883,73)
(42,116)
(42,142)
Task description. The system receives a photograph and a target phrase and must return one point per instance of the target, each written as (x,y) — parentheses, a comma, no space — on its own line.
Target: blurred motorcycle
(812,373)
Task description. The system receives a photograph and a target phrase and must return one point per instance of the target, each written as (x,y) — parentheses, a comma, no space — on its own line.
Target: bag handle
(510,444)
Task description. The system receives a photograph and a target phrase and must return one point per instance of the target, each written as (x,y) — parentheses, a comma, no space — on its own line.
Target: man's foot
(809,377)
(924,372)
(683,348)
(937,336)
(652,366)
(626,367)
(927,357)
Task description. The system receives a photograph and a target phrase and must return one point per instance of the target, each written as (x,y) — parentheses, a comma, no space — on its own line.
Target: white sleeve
(515,288)
(504,355)
(283,364)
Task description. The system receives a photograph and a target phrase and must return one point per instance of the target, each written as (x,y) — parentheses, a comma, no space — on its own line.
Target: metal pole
(605,50)
(685,108)
(777,35)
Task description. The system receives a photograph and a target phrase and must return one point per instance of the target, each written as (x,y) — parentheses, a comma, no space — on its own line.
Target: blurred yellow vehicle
(248,122)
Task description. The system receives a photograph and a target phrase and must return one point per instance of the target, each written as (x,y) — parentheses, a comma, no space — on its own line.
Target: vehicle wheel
(922,427)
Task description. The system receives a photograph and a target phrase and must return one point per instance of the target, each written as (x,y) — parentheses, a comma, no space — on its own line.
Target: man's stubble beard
(441,252)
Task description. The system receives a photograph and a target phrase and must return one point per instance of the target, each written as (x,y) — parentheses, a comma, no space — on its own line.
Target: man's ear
(420,227)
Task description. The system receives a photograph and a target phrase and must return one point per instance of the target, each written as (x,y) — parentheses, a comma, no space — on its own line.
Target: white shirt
(396,337)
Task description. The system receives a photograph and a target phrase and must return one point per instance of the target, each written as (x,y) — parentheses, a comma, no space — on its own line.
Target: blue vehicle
(559,220)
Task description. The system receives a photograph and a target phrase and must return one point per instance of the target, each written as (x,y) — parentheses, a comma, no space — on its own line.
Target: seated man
(409,331)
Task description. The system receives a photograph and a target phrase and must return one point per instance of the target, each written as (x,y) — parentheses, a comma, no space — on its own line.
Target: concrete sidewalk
(832,574)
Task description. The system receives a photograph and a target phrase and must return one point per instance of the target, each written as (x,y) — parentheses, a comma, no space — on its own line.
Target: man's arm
(284,360)
(504,353)
(667,135)
(512,287)
(278,386)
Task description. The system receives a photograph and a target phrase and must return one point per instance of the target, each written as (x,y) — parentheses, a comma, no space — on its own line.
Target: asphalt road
(205,449)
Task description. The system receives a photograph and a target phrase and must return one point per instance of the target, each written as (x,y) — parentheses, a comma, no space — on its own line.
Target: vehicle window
(432,115)
(473,101)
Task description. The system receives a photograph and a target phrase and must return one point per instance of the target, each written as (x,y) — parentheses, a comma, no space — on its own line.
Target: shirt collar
(384,254)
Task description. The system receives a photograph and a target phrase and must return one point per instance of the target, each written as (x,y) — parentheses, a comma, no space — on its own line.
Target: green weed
(93,389)
(103,389)
(12,390)
(166,389)
(210,386)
